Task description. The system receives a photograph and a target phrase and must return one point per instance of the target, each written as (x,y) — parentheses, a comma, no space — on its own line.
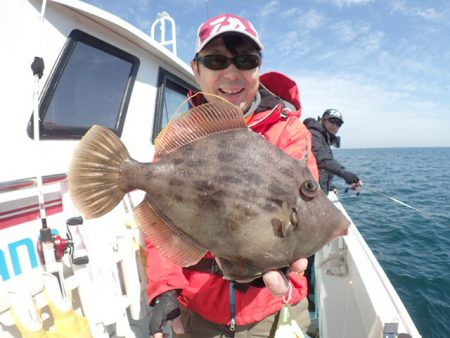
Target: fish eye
(309,189)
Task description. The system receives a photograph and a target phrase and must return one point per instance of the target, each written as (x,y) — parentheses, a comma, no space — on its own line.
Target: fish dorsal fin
(171,244)
(197,123)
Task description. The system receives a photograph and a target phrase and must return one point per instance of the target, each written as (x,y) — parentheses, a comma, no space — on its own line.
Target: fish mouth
(344,229)
(242,279)
(239,272)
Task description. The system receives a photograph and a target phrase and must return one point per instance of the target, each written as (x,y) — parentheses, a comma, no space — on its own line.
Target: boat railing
(30,182)
(107,286)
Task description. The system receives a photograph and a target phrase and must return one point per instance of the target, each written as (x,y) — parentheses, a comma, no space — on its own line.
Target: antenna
(161,20)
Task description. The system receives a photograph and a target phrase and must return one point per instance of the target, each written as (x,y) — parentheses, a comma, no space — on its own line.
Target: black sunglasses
(335,121)
(219,62)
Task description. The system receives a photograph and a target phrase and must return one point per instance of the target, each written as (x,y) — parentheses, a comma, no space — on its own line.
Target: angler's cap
(332,113)
(225,23)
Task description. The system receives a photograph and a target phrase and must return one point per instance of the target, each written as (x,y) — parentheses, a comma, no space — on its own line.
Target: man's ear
(195,68)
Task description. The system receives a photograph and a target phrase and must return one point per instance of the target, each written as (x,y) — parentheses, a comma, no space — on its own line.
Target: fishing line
(393,199)
(175,116)
(205,94)
(357,207)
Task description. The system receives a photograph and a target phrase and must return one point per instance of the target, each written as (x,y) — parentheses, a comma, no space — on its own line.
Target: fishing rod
(38,71)
(51,247)
(393,199)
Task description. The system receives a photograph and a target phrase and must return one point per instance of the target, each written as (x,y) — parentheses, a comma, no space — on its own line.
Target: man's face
(332,125)
(235,85)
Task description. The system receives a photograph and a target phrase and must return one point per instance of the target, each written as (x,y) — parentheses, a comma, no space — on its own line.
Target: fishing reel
(354,188)
(357,191)
(59,245)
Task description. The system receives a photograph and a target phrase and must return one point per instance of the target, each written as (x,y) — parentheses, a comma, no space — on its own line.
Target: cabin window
(172,92)
(91,84)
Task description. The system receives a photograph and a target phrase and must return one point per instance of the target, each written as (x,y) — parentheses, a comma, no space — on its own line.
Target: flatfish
(215,186)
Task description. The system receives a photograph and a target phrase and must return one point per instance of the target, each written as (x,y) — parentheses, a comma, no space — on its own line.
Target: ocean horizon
(393,147)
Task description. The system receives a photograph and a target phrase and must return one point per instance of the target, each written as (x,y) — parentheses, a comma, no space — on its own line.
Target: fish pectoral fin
(280,228)
(282,225)
(171,243)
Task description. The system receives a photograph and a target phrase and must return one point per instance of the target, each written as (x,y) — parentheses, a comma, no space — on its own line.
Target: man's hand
(357,184)
(277,283)
(350,178)
(177,327)
(163,308)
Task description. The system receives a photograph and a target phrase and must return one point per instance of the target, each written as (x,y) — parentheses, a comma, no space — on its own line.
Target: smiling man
(227,64)
(229,67)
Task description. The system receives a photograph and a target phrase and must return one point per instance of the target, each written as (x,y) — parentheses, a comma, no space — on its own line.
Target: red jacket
(209,295)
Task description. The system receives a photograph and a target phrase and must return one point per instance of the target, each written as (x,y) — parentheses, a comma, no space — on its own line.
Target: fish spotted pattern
(216,186)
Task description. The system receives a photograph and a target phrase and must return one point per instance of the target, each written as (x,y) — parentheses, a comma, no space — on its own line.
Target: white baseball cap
(332,113)
(225,23)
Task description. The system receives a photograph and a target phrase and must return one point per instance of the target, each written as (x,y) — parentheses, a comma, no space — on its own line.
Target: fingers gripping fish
(217,186)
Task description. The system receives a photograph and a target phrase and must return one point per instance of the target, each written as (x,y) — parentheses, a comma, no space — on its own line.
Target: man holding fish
(232,204)
(199,300)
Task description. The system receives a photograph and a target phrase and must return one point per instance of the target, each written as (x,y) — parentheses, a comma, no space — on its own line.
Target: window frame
(163,77)
(73,133)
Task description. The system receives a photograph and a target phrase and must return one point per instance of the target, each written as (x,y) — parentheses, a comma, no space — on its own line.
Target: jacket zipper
(232,307)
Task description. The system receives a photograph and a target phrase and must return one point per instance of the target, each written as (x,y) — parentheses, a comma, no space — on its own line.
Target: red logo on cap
(225,24)
(222,24)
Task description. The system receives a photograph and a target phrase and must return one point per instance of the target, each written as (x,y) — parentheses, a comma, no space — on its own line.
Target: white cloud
(291,12)
(429,14)
(348,3)
(348,31)
(288,48)
(353,42)
(289,40)
(269,9)
(374,114)
(313,19)
(373,41)
(291,43)
(329,55)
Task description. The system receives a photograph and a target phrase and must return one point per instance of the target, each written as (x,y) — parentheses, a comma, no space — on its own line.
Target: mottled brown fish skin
(240,197)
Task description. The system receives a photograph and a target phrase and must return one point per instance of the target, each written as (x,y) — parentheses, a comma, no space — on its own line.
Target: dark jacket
(322,141)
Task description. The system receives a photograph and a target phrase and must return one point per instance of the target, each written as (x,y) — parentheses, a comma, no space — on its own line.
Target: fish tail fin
(95,172)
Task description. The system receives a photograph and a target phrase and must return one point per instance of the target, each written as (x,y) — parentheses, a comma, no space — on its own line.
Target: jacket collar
(279,94)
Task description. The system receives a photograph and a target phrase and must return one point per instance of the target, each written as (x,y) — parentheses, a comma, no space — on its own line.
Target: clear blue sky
(385,64)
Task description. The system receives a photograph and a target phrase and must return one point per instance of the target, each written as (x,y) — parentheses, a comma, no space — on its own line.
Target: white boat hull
(355,297)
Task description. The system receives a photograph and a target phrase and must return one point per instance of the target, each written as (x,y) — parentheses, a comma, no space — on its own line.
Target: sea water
(412,248)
